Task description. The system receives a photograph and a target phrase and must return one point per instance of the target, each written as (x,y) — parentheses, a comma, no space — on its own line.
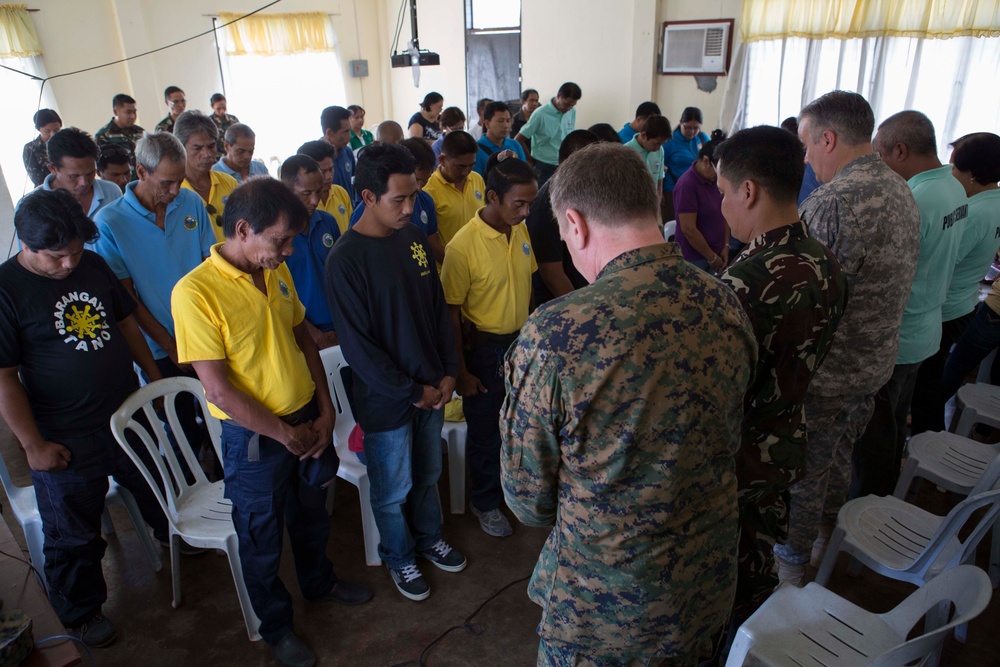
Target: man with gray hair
(197,132)
(907,143)
(620,427)
(240,142)
(866,215)
(151,238)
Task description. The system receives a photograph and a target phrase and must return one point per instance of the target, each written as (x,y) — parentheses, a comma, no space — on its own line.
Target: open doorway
(492,52)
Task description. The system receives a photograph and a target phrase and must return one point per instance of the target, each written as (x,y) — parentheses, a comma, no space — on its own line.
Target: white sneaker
(493,522)
(789,573)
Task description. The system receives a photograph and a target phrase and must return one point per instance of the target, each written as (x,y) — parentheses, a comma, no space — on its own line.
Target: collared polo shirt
(105,192)
(455,207)
(222,186)
(653,159)
(343,170)
(257,168)
(489,275)
(626,133)
(547,128)
(488,148)
(943,208)
(306,266)
(153,258)
(222,316)
(338,204)
(980,238)
(424,213)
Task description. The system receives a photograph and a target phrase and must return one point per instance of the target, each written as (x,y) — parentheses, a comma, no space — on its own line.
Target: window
(492,52)
(20,104)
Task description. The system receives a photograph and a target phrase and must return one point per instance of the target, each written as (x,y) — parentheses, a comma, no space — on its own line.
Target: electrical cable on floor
(474,629)
(86,649)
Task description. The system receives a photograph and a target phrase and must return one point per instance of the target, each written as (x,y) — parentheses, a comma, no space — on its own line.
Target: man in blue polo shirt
(496,136)
(303,177)
(546,129)
(642,112)
(73,165)
(336,124)
(240,142)
(151,238)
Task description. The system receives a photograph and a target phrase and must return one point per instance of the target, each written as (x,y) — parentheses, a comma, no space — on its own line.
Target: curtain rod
(215,16)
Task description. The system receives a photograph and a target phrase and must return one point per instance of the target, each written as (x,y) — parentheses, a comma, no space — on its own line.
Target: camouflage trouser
(763,521)
(833,425)
(556,654)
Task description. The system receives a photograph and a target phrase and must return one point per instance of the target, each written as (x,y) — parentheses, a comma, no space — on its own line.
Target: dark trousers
(544,172)
(878,453)
(269,486)
(981,336)
(482,416)
(927,406)
(71,503)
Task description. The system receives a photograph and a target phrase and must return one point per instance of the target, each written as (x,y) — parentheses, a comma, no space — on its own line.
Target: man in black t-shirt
(395,329)
(67,343)
(556,274)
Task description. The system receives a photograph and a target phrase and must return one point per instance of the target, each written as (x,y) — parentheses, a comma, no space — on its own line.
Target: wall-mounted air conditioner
(696,47)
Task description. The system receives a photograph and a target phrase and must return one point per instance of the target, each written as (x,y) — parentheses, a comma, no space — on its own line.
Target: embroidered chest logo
(283,287)
(328,240)
(190,222)
(423,217)
(342,210)
(479,195)
(419,254)
(527,249)
(82,321)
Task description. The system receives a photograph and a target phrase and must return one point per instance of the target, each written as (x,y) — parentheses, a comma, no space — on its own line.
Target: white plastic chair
(197,512)
(977,403)
(669,229)
(954,463)
(455,434)
(351,469)
(813,627)
(25,507)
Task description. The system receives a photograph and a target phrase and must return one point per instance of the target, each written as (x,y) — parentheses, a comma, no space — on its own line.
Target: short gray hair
(153,149)
(912,129)
(847,114)
(236,131)
(608,183)
(194,122)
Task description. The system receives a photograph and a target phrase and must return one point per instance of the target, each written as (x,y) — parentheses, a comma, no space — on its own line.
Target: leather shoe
(293,652)
(349,593)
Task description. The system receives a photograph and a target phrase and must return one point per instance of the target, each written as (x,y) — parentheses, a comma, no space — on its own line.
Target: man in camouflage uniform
(122,130)
(866,215)
(176,103)
(794,293)
(620,429)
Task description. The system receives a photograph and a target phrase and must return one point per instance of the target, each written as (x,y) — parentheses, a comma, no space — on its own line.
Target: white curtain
(953,81)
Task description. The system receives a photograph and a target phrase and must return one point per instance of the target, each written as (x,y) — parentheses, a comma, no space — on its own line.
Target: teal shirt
(653,159)
(980,239)
(943,209)
(547,128)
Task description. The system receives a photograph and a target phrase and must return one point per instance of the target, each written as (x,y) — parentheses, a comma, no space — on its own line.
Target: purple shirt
(694,194)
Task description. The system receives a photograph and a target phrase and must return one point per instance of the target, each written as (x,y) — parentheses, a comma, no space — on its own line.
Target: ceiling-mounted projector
(414,56)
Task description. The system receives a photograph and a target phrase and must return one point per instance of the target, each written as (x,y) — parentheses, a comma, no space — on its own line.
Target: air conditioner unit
(696,47)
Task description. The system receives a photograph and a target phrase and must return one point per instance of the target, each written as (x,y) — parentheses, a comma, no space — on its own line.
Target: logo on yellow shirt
(479,195)
(190,222)
(328,240)
(283,287)
(342,210)
(527,249)
(419,254)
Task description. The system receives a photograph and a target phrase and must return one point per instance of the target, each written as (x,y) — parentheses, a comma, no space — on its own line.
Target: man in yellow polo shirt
(241,325)
(458,191)
(487,283)
(333,199)
(198,133)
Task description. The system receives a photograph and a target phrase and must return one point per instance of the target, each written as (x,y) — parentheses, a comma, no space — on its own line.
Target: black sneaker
(98,632)
(410,582)
(445,557)
(293,652)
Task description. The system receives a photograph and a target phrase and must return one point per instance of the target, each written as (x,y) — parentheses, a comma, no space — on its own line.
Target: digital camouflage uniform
(794,293)
(126,137)
(223,124)
(867,216)
(620,427)
(165,125)
(36,160)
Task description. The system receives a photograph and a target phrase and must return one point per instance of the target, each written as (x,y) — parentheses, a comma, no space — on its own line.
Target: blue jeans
(266,492)
(981,336)
(404,466)
(71,503)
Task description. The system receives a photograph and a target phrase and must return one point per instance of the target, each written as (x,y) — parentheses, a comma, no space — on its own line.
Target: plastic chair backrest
(953,523)
(158,448)
(333,362)
(990,478)
(967,586)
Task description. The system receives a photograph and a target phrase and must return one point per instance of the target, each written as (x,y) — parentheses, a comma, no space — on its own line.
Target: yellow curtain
(851,19)
(277,34)
(17,34)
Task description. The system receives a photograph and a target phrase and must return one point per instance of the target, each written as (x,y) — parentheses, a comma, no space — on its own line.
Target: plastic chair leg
(830,559)
(968,419)
(107,525)
(35,539)
(904,487)
(456,472)
(368,526)
(236,566)
(128,502)
(175,567)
